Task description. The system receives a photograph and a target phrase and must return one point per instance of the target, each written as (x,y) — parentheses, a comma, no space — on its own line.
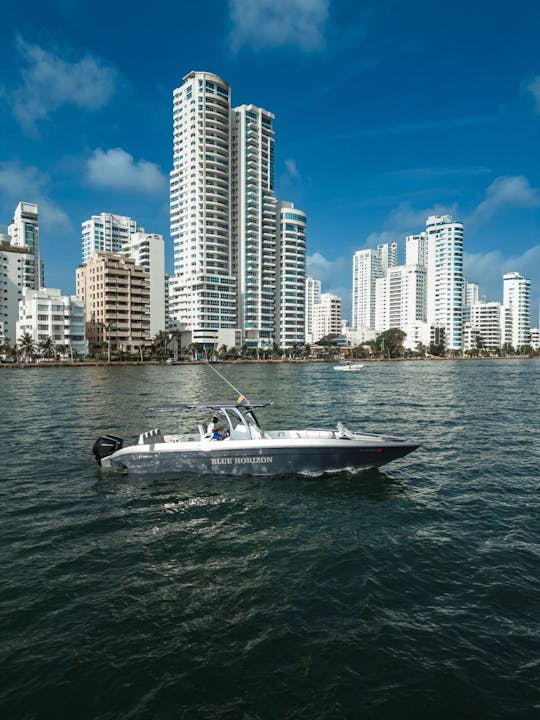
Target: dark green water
(412,592)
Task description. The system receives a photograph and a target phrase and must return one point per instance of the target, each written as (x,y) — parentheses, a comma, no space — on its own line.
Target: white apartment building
(486,326)
(356,336)
(327,316)
(444,297)
(388,255)
(225,220)
(517,304)
(148,251)
(470,292)
(116,296)
(400,298)
(45,313)
(366,270)
(254,223)
(535,338)
(203,289)
(313,297)
(24,232)
(13,263)
(291,284)
(416,249)
(470,297)
(106,233)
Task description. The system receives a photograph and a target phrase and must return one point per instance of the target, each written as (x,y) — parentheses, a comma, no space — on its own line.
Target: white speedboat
(245,448)
(349,367)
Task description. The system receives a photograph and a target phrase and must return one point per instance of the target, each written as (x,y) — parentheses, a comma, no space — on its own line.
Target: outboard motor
(106,445)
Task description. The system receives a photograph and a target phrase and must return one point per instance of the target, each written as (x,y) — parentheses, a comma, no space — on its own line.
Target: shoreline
(280,361)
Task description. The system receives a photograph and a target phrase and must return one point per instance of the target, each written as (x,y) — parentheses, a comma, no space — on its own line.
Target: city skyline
(370,138)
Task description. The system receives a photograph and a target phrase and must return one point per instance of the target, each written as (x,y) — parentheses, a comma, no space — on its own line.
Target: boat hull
(221,459)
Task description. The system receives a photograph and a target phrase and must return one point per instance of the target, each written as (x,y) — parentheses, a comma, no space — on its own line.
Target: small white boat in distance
(349,366)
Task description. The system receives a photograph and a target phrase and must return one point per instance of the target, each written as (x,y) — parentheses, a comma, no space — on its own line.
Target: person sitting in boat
(212,432)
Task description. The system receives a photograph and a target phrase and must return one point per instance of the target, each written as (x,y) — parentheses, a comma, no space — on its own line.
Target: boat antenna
(241,399)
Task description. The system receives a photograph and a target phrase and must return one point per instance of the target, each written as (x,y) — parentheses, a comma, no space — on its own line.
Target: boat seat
(150,437)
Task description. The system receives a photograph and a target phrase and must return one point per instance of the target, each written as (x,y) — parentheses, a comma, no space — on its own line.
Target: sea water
(408,592)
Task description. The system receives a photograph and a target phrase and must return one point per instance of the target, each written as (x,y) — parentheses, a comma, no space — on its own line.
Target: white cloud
(387,236)
(534,89)
(116,169)
(273,23)
(20,183)
(49,82)
(329,272)
(506,192)
(335,276)
(409,220)
(292,169)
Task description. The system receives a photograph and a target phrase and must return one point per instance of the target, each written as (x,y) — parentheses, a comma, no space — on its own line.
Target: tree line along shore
(165,348)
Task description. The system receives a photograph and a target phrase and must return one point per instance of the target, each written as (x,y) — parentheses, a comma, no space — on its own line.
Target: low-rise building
(46,313)
(326,316)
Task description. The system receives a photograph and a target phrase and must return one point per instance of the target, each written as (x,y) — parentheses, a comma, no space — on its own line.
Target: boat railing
(150,437)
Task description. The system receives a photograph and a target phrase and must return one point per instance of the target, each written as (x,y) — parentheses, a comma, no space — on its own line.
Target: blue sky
(385,112)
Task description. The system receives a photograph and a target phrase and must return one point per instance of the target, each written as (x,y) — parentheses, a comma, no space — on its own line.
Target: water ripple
(412,591)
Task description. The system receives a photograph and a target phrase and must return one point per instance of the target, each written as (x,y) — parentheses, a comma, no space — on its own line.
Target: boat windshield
(240,417)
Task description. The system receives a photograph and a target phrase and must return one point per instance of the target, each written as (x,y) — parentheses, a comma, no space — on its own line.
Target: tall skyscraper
(313,297)
(254,223)
(444,260)
(416,249)
(399,298)
(388,255)
(225,221)
(291,285)
(366,270)
(203,289)
(107,233)
(517,305)
(470,297)
(24,232)
(12,271)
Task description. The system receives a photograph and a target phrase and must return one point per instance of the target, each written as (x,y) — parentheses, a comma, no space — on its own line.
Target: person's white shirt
(210,429)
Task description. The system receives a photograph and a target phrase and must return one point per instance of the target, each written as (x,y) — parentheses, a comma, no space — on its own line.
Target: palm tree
(46,346)
(27,346)
(7,349)
(61,350)
(159,343)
